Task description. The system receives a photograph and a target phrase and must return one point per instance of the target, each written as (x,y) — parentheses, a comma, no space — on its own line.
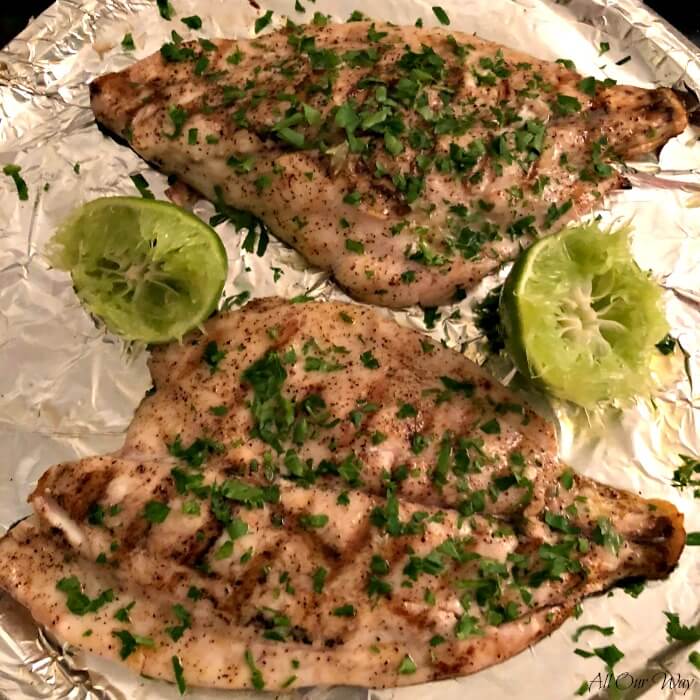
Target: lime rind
(581,318)
(149,270)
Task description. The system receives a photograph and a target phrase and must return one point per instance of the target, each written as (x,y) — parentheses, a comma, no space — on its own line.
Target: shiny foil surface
(68,390)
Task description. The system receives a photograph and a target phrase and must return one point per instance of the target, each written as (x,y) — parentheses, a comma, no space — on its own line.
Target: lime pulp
(148,269)
(581,318)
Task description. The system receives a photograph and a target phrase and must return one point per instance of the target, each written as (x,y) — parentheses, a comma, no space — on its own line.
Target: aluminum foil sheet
(68,390)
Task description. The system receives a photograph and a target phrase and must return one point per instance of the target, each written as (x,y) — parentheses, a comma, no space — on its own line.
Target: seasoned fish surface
(313,495)
(408,162)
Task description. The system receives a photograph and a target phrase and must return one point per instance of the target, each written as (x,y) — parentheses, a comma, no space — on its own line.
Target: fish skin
(303,202)
(155,564)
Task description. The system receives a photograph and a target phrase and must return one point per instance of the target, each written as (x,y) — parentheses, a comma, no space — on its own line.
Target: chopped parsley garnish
(235,300)
(248,494)
(212,356)
(588,86)
(263,182)
(292,137)
(431,316)
(256,678)
(346,610)
(79,603)
(555,560)
(379,565)
(369,360)
(373,35)
(634,588)
(560,523)
(220,410)
(407,410)
(165,9)
(236,57)
(224,551)
(128,42)
(195,593)
(611,655)
(201,65)
(178,116)
(387,518)
(273,413)
(419,443)
(605,534)
(566,479)
(319,579)
(491,427)
(460,386)
(191,508)
(142,186)
(174,52)
(467,626)
(566,104)
(96,514)
(441,15)
(262,22)
(407,666)
(313,522)
(156,512)
(123,613)
(683,475)
(688,634)
(185,620)
(582,689)
(193,22)
(378,437)
(358,414)
(392,144)
(354,246)
(692,539)
(352,198)
(196,454)
(131,641)
(604,48)
(179,675)
(13,171)
(554,212)
(320,20)
(320,364)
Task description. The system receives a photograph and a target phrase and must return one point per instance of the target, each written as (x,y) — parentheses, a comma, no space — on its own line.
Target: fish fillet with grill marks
(313,495)
(408,162)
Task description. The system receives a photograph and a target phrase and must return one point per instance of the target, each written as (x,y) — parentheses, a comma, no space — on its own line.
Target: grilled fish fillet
(313,495)
(408,162)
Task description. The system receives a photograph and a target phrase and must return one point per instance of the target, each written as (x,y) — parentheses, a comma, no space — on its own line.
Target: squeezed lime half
(148,269)
(581,318)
